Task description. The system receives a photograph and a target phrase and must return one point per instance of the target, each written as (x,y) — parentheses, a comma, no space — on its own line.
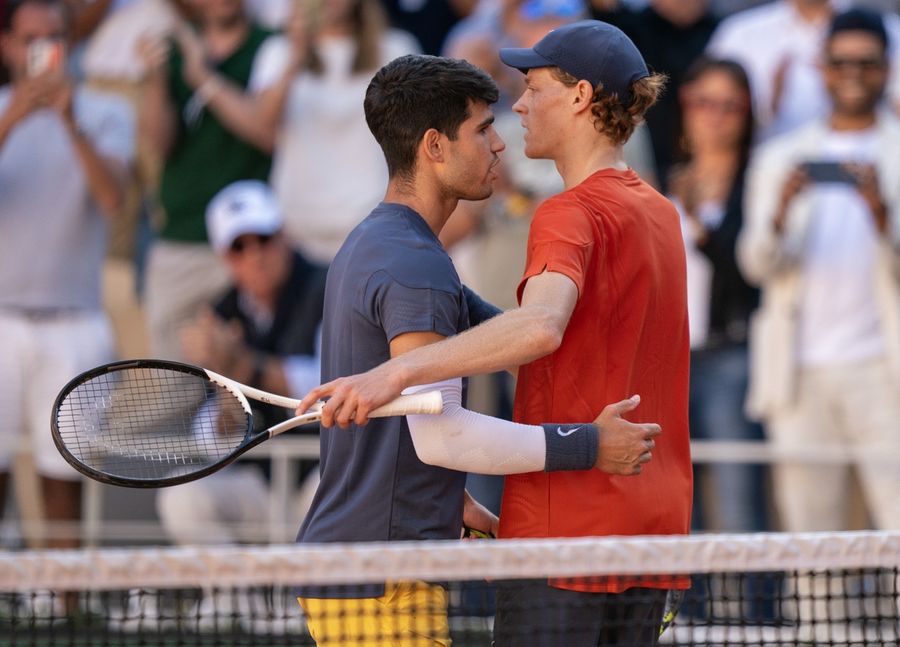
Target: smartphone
(828,172)
(45,54)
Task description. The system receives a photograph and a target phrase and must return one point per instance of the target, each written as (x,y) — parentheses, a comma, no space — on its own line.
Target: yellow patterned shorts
(409,614)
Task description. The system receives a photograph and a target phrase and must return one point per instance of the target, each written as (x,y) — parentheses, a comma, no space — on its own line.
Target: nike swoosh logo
(567,433)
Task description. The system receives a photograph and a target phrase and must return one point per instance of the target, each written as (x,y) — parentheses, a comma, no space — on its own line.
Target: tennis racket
(153,423)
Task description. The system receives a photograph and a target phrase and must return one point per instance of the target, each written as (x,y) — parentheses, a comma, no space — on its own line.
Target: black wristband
(479,309)
(570,447)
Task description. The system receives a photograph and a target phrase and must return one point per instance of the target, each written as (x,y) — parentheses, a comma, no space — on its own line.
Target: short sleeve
(269,64)
(110,125)
(562,239)
(400,309)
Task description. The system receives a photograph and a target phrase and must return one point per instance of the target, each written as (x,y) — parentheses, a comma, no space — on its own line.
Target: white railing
(286,452)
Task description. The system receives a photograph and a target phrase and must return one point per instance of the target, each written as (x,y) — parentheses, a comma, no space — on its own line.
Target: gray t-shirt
(390,277)
(54,236)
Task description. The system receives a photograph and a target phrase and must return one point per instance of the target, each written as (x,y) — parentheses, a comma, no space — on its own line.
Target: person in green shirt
(210,115)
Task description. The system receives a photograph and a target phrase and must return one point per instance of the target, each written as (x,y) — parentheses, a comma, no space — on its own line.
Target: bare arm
(105,176)
(252,116)
(158,121)
(509,340)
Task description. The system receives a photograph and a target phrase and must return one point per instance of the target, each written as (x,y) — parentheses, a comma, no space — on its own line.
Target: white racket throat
(243,392)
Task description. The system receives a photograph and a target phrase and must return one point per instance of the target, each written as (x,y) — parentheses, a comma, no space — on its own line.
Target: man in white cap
(263,333)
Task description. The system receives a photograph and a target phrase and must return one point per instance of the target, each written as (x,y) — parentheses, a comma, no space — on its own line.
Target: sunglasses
(242,243)
(862,64)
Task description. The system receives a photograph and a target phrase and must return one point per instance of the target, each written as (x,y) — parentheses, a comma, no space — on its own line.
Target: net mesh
(150,423)
(776,589)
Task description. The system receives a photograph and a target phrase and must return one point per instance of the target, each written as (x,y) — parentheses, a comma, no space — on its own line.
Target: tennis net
(764,589)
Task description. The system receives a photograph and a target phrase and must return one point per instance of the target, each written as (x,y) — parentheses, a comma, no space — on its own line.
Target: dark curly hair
(415,93)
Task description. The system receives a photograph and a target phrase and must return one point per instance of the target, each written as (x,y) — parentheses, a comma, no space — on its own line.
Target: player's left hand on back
(624,446)
(478,517)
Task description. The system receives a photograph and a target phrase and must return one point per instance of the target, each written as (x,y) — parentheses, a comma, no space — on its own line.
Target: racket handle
(405,405)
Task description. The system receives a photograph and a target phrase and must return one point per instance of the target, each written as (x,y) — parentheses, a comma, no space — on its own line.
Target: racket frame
(425,403)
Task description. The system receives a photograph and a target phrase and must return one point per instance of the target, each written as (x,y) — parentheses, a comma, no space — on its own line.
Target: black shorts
(530,612)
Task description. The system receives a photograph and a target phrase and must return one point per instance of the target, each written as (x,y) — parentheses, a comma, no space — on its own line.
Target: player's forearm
(512,339)
(467,441)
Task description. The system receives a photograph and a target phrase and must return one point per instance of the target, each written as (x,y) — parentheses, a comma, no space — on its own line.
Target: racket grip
(405,405)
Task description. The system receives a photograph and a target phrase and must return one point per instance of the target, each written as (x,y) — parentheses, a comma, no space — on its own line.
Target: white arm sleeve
(463,440)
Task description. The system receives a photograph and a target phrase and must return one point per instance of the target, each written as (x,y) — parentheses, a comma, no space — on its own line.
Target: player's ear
(582,96)
(432,145)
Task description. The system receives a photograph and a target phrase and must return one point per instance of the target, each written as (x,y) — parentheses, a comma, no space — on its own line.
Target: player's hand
(477,517)
(624,446)
(351,399)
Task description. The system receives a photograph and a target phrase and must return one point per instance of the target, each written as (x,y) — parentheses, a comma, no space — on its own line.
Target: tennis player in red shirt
(602,315)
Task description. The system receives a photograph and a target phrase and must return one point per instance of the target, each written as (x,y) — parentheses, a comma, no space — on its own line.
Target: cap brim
(523,58)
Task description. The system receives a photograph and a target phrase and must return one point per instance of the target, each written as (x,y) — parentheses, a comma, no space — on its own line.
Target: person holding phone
(823,243)
(64,156)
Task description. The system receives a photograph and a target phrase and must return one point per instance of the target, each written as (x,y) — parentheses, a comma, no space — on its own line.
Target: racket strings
(150,423)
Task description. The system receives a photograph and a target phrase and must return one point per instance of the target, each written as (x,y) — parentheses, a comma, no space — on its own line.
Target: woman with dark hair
(323,138)
(708,189)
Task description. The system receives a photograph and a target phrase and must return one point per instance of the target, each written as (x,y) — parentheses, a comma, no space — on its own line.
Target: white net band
(226,566)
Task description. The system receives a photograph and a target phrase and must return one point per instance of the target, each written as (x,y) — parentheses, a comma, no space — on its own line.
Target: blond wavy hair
(612,118)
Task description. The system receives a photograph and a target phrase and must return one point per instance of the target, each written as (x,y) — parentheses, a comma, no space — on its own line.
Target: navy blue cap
(588,49)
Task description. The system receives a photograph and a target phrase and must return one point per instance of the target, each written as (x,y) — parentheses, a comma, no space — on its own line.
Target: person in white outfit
(323,140)
(824,245)
(825,344)
(65,152)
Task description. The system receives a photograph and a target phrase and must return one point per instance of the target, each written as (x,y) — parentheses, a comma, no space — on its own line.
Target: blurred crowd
(181,172)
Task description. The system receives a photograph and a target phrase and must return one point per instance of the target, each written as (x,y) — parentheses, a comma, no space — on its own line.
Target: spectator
(671,34)
(708,189)
(430,21)
(785,75)
(212,118)
(825,344)
(323,138)
(262,333)
(64,155)
(111,63)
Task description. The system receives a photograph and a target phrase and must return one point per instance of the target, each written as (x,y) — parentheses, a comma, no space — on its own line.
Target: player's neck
(579,162)
(434,208)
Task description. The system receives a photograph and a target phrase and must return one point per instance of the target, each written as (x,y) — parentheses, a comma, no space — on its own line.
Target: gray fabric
(54,236)
(391,276)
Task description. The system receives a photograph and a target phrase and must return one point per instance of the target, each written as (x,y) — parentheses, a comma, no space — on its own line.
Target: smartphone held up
(45,55)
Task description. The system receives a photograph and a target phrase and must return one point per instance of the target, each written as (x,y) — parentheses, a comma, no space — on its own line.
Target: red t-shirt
(620,242)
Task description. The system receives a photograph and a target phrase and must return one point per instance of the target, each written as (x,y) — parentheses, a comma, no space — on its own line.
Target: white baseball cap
(243,207)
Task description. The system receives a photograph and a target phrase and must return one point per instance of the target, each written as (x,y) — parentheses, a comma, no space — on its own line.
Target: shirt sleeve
(269,64)
(562,239)
(399,308)
(111,129)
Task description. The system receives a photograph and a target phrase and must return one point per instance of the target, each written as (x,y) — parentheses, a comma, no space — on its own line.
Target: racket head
(150,423)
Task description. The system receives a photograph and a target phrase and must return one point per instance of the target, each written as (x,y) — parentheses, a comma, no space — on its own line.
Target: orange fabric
(620,242)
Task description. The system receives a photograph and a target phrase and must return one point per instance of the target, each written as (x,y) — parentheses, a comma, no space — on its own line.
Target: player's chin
(532,151)
(482,192)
